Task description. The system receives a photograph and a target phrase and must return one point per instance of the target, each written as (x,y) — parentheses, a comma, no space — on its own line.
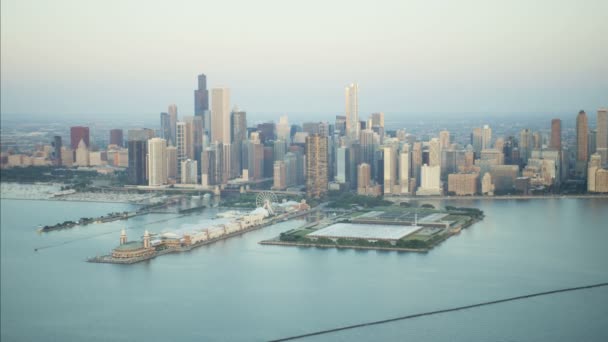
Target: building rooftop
(365,231)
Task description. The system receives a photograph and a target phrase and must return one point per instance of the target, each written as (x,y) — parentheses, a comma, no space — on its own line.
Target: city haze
(486,57)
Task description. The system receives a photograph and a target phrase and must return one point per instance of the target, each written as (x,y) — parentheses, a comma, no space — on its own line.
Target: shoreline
(66,200)
(395,199)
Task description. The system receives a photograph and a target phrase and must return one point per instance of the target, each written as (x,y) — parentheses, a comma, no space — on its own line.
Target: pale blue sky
(118,56)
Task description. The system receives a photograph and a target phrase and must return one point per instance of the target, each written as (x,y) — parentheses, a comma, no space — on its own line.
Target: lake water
(239,290)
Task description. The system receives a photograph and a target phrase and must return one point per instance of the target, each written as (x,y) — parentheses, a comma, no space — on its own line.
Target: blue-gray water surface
(238,290)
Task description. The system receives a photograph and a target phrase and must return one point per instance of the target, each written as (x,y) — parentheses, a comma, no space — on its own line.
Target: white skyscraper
(352,111)
(390,169)
(283,128)
(404,169)
(430,183)
(157,162)
(220,115)
(486,137)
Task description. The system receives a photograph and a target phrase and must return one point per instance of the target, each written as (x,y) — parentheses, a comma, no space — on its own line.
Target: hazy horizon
(116,57)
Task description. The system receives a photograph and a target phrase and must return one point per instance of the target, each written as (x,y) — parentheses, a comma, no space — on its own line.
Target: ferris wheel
(267,200)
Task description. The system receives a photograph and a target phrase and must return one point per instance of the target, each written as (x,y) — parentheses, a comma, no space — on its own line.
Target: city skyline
(477,62)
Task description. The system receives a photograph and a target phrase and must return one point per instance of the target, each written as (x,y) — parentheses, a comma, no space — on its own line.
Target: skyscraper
(56,152)
(78,133)
(434,153)
(238,124)
(477,140)
(556,134)
(390,169)
(189,169)
(137,144)
(601,139)
(352,111)
(526,143)
(316,166)
(376,120)
(116,137)
(220,115)
(582,148)
(444,140)
(283,129)
(404,169)
(157,162)
(279,175)
(165,128)
(208,167)
(486,140)
(183,139)
(238,128)
(363,178)
(342,165)
(172,162)
(201,96)
(172,110)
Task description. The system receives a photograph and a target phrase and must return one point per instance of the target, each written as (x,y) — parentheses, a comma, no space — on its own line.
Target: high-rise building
(220,115)
(172,110)
(463,184)
(556,134)
(183,144)
(78,133)
(172,162)
(404,169)
(279,175)
(238,124)
(266,131)
(376,120)
(137,144)
(82,154)
(208,168)
(363,178)
(291,164)
(189,169)
(390,169)
(601,138)
(416,161)
(340,125)
(157,162)
(165,128)
(430,182)
(537,140)
(582,148)
(526,144)
(56,151)
(283,129)
(486,137)
(352,111)
(201,96)
(444,140)
(316,166)
(116,137)
(477,140)
(342,165)
(434,153)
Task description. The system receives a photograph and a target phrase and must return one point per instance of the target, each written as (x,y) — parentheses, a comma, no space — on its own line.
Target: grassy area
(347,200)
